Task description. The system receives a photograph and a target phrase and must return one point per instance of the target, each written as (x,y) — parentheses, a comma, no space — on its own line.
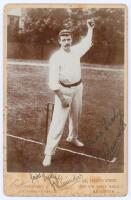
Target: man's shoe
(76,142)
(47,161)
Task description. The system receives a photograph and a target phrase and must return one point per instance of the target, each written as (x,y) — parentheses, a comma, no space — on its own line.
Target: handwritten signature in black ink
(114,148)
(106,125)
(56,181)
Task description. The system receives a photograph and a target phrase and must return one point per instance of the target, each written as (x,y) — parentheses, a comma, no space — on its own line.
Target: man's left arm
(85,44)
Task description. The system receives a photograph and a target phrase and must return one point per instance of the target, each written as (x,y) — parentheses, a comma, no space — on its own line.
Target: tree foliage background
(41,26)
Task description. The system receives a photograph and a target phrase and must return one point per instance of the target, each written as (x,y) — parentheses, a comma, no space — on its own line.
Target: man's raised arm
(84,45)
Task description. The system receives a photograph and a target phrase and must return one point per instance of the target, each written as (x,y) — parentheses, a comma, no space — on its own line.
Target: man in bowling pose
(65,81)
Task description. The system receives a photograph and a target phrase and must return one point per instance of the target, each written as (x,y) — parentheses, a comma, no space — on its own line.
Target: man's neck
(66,50)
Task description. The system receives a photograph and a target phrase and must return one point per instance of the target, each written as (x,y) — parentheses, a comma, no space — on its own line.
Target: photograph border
(19,187)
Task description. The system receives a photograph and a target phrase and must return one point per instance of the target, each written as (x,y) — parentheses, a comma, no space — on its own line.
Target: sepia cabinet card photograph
(65,100)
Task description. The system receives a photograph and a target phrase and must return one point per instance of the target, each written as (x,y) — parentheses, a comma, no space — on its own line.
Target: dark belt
(71,85)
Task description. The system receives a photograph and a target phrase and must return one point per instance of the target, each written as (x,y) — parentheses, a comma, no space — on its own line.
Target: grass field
(101,125)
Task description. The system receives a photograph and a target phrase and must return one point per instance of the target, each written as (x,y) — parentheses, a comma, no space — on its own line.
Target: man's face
(65,42)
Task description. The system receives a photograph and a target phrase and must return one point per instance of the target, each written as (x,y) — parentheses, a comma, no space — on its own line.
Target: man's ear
(59,40)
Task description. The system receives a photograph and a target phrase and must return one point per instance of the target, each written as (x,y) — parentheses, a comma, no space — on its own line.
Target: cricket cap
(65,32)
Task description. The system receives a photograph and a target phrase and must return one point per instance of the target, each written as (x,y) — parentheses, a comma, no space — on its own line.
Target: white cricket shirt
(65,66)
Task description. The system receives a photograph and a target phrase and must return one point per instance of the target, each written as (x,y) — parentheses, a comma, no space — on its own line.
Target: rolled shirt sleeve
(54,74)
(84,45)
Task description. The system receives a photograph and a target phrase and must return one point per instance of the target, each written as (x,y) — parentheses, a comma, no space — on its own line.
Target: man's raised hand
(90,23)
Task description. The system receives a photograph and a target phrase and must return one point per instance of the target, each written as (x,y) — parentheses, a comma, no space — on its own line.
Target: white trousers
(60,115)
